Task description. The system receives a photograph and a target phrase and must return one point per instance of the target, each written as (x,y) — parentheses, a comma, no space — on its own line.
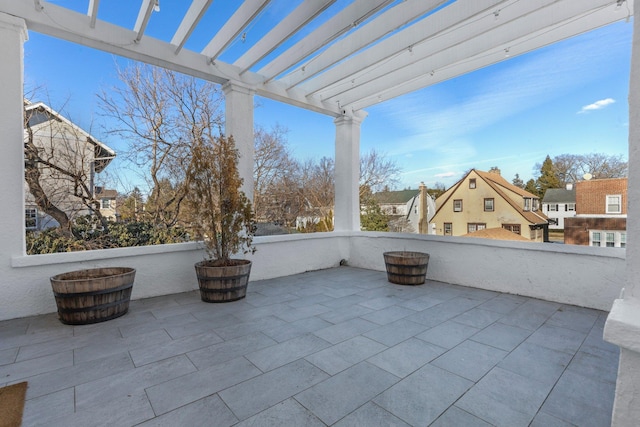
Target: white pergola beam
(467,42)
(93,12)
(390,21)
(528,43)
(338,25)
(304,13)
(234,25)
(189,22)
(143,18)
(430,27)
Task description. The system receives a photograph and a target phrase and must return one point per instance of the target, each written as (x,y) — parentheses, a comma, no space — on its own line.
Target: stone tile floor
(338,347)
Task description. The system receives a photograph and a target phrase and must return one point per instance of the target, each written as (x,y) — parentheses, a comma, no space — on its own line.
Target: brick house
(601,214)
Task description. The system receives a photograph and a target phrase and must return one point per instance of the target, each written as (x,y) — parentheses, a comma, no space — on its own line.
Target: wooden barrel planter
(406,268)
(94,295)
(223,283)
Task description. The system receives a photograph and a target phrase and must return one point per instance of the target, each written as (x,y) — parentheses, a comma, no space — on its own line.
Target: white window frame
(610,202)
(457,209)
(105,203)
(608,238)
(527,203)
(492,202)
(33,215)
(447,229)
(553,207)
(570,207)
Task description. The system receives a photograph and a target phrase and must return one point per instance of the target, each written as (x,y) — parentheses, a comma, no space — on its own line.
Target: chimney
(495,170)
(422,216)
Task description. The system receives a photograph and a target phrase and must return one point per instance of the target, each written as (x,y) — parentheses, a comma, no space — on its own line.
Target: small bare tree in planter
(222,216)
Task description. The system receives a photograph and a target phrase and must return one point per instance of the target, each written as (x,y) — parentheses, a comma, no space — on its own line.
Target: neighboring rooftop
(559,195)
(395,197)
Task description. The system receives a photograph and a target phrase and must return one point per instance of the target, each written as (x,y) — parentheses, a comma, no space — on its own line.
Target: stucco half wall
(589,277)
(576,275)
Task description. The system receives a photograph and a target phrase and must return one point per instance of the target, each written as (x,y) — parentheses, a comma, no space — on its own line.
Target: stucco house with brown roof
(482,200)
(601,214)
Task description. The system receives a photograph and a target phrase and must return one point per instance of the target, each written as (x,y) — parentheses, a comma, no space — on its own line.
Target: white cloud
(598,105)
(445,175)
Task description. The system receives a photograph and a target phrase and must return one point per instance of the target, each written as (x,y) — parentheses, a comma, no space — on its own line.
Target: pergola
(366,52)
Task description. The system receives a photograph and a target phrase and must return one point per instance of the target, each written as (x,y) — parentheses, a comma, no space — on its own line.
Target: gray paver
(341,394)
(406,357)
(280,354)
(199,413)
(180,391)
(455,416)
(421,397)
(504,337)
(396,332)
(470,360)
(346,354)
(257,394)
(448,334)
(371,415)
(287,413)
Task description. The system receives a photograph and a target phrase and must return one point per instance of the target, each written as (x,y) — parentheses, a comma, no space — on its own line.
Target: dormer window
(527,203)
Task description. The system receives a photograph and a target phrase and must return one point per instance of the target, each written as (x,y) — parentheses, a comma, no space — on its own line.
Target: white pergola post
(623,324)
(13,34)
(347,173)
(239,124)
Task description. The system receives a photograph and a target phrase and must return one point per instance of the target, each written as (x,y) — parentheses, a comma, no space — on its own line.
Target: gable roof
(559,195)
(395,197)
(103,153)
(497,233)
(498,184)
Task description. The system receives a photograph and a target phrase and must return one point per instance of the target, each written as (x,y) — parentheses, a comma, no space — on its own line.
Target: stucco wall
(583,276)
(25,289)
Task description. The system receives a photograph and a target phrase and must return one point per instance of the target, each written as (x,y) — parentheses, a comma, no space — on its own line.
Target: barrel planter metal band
(406,268)
(223,283)
(91,296)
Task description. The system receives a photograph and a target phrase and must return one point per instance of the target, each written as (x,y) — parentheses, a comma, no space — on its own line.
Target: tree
(570,168)
(517,181)
(277,196)
(163,115)
(377,172)
(131,206)
(532,187)
(548,177)
(371,216)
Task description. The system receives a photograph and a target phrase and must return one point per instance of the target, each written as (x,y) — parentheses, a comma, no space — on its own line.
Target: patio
(340,346)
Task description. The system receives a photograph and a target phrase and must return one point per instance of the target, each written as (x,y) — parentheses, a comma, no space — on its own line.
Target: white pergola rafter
(470,42)
(367,52)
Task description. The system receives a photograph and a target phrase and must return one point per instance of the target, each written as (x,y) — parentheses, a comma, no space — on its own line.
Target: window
(552,208)
(608,239)
(488,205)
(614,204)
(472,183)
(475,226)
(536,204)
(611,240)
(394,210)
(570,207)
(527,203)
(106,203)
(514,228)
(457,205)
(31,218)
(448,229)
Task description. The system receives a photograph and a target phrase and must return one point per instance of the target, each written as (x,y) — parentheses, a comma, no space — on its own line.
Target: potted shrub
(222,216)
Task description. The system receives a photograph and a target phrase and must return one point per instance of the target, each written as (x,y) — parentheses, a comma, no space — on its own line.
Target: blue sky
(570,97)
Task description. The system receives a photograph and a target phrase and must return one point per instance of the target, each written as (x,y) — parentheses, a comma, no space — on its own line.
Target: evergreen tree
(517,181)
(371,216)
(532,187)
(548,177)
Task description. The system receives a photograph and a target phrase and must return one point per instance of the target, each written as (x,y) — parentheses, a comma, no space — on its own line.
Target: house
(69,158)
(108,202)
(558,204)
(601,214)
(483,200)
(404,208)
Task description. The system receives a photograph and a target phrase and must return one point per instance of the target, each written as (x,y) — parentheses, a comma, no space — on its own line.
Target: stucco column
(239,124)
(347,173)
(13,34)
(623,323)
